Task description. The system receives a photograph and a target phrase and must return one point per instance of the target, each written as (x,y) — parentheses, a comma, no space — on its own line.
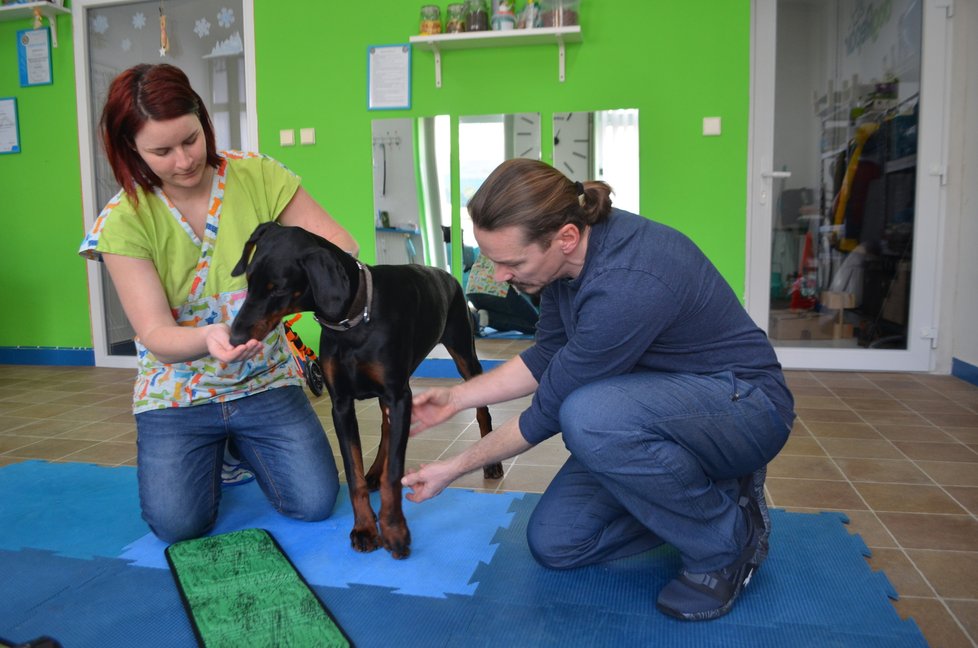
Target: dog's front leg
(393,527)
(364,535)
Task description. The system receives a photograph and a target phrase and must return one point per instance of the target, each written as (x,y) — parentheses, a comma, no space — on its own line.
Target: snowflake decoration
(100,24)
(225,18)
(126,44)
(202,28)
(139,20)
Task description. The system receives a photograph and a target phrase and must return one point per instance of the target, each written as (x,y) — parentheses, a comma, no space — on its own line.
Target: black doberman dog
(378,324)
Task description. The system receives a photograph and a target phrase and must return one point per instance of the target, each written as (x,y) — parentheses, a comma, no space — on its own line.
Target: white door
(212,41)
(845,183)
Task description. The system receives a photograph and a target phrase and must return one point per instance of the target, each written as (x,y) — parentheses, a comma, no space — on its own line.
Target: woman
(169,240)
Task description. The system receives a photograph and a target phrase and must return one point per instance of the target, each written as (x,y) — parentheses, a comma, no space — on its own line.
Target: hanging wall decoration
(164,40)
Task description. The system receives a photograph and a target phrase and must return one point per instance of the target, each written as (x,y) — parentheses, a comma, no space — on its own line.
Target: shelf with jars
(552,25)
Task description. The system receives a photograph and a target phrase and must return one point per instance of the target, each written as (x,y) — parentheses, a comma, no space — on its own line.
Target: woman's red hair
(141,93)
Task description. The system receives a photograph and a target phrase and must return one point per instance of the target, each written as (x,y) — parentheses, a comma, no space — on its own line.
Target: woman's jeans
(655,457)
(180,451)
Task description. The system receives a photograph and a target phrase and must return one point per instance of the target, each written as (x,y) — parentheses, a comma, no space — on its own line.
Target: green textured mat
(240,589)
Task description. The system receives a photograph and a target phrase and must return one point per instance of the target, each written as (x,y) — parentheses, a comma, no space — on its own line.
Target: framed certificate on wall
(389,77)
(34,56)
(9,128)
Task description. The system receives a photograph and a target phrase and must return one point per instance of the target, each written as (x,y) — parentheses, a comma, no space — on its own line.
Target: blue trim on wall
(47,356)
(964,371)
(430,368)
(445,368)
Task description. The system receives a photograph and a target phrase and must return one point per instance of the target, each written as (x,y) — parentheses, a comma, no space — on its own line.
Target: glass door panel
(836,184)
(205,41)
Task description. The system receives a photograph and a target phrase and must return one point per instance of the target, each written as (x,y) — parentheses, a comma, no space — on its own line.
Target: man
(669,398)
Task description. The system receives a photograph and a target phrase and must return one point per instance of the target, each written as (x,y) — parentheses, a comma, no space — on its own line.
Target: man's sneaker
(752,500)
(701,597)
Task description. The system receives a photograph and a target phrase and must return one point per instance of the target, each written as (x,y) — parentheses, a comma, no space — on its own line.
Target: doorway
(212,41)
(847,109)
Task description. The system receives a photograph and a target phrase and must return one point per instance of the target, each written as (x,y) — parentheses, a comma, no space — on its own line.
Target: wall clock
(572,144)
(526,136)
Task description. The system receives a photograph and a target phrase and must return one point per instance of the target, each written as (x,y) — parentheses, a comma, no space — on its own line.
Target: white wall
(959,298)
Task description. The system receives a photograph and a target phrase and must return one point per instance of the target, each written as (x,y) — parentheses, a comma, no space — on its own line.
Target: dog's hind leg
(460,342)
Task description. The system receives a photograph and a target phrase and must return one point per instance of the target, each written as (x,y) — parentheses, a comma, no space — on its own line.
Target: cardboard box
(800,325)
(837,300)
(807,325)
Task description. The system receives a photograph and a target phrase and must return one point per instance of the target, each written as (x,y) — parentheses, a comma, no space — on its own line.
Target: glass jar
(430,20)
(455,18)
(559,13)
(476,15)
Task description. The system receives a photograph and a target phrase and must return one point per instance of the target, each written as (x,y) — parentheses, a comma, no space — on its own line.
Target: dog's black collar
(360,311)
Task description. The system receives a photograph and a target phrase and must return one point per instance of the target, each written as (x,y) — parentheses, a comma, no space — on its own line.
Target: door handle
(775,174)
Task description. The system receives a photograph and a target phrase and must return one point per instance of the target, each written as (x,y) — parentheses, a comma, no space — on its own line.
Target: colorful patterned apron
(182,384)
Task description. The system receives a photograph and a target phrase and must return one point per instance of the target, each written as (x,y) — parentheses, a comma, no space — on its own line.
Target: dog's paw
(398,543)
(493,471)
(365,540)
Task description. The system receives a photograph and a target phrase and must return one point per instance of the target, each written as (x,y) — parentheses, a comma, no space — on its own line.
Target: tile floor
(898,453)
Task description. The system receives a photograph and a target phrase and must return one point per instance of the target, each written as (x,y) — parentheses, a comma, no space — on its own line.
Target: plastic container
(503,15)
(430,20)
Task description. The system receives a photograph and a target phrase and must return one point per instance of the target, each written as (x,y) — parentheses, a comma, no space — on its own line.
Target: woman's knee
(176,527)
(311,504)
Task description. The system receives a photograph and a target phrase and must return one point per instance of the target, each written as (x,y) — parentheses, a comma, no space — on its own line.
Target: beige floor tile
(927,531)
(953,574)
(882,470)
(908,498)
(934,621)
(901,572)
(812,493)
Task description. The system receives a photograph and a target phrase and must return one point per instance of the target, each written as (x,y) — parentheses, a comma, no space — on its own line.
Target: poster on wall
(34,56)
(389,77)
(9,130)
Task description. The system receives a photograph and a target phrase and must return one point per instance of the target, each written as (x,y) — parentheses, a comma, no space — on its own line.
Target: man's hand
(431,407)
(218,338)
(428,481)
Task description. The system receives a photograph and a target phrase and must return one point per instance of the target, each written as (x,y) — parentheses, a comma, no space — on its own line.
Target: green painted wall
(43,289)
(675,64)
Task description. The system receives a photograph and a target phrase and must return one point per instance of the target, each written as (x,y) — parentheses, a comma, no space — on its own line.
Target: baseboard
(964,370)
(55,356)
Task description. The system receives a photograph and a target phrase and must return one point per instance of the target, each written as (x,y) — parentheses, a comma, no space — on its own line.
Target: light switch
(307,136)
(286,137)
(711,126)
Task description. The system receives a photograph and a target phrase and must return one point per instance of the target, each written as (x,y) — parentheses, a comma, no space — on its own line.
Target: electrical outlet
(307,136)
(286,137)
(711,126)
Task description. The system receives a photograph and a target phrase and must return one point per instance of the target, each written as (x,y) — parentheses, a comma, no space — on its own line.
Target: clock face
(572,144)
(526,135)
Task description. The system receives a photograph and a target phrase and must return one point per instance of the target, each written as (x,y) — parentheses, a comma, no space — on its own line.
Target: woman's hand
(218,339)
(432,407)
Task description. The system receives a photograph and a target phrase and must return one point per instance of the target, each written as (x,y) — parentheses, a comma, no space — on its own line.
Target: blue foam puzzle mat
(78,564)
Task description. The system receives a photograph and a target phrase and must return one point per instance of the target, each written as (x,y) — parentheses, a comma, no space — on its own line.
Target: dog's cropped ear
(328,282)
(249,245)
